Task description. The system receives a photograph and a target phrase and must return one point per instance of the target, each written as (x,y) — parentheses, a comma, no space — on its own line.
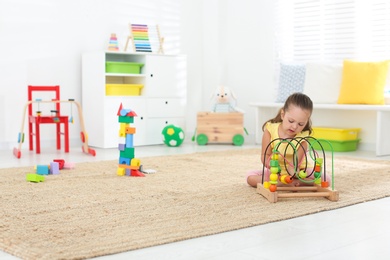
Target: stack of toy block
(128,165)
(113,44)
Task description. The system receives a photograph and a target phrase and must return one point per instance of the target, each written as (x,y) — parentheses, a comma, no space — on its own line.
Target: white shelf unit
(162,100)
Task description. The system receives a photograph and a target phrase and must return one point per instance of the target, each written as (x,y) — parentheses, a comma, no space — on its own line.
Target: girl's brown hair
(297,99)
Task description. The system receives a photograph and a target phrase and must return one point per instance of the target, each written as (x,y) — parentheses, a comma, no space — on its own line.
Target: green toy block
(33,177)
(125,119)
(127,153)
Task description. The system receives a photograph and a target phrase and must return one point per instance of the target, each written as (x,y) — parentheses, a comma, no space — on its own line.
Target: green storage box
(338,146)
(123,67)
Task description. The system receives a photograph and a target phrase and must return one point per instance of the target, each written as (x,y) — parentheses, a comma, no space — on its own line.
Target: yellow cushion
(363,82)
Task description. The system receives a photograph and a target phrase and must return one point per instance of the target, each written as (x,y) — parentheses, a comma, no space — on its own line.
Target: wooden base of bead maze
(298,192)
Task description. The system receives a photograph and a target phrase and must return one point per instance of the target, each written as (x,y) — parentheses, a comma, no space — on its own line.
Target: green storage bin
(123,67)
(338,146)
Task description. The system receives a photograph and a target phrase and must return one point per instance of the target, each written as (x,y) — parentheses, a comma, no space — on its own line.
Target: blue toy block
(129,140)
(124,112)
(54,168)
(123,160)
(42,169)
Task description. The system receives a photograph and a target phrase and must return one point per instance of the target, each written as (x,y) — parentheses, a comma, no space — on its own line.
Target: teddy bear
(224,100)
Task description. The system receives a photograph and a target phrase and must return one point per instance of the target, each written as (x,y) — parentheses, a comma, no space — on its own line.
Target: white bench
(265,111)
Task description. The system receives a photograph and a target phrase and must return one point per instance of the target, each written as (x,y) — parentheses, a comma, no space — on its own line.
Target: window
(332,30)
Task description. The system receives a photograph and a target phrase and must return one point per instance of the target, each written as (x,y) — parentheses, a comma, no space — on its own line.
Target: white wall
(42,42)
(238,52)
(226,42)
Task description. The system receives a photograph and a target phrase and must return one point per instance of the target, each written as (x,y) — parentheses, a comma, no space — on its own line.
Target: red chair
(55,118)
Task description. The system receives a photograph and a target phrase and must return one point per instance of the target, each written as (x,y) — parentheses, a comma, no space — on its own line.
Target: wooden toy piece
(69,165)
(272,191)
(135,162)
(272,188)
(129,140)
(121,171)
(121,146)
(60,162)
(130,130)
(136,173)
(131,167)
(145,38)
(33,177)
(161,40)
(54,168)
(113,43)
(297,192)
(266,184)
(220,128)
(286,179)
(42,169)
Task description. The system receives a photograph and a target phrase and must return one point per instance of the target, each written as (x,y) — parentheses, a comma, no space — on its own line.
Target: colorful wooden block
(123,160)
(54,168)
(69,165)
(136,173)
(121,171)
(61,163)
(128,153)
(121,147)
(129,140)
(33,177)
(130,130)
(42,169)
(135,162)
(125,119)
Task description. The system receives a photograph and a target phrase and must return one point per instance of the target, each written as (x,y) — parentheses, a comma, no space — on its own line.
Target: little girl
(292,121)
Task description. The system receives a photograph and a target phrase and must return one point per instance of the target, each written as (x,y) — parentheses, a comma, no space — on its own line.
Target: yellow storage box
(335,134)
(123,89)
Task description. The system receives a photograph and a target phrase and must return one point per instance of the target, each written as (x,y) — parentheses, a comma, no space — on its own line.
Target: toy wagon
(220,128)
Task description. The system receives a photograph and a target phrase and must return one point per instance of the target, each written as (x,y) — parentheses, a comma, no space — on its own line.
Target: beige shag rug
(90,211)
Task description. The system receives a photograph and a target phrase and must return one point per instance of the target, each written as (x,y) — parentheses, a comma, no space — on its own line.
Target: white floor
(357,232)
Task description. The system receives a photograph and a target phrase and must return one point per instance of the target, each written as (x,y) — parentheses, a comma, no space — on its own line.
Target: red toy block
(137,173)
(61,163)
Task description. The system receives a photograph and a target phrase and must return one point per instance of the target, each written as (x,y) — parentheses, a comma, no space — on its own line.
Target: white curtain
(332,30)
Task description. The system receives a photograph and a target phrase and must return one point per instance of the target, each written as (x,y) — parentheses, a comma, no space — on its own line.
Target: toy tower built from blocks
(128,165)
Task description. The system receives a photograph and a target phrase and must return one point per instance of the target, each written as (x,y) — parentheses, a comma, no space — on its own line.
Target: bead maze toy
(283,185)
(83,134)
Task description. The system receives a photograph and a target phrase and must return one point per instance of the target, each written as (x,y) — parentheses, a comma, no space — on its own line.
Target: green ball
(173,136)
